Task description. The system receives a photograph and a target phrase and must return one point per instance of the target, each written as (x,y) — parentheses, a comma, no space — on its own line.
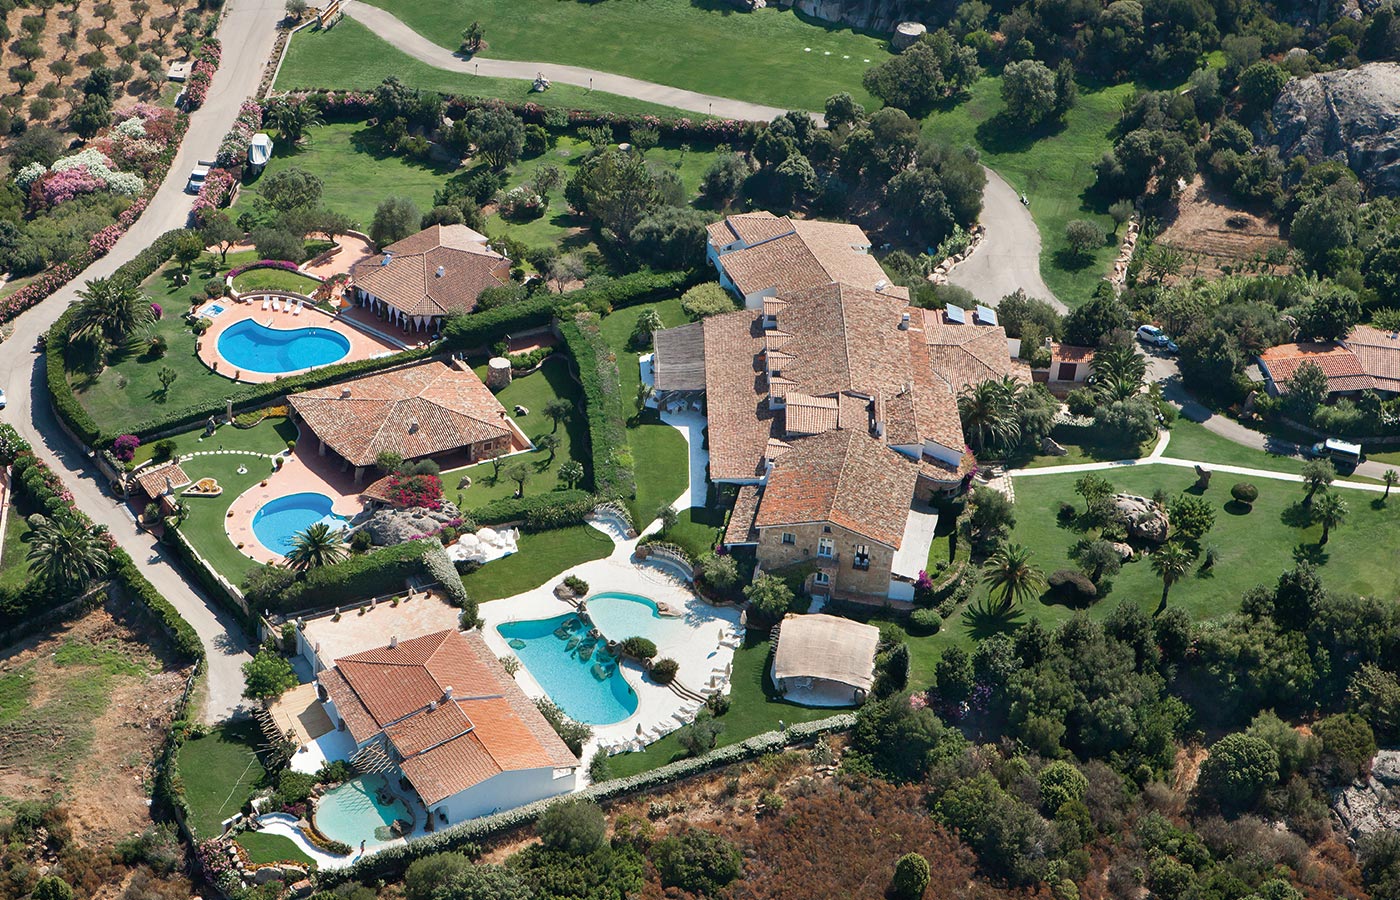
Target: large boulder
(1374,805)
(388,526)
(1348,115)
(1143,518)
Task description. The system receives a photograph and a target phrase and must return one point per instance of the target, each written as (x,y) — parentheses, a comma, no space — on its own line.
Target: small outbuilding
(824,660)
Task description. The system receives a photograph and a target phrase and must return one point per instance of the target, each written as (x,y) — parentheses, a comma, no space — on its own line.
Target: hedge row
(364,575)
(44,490)
(562,507)
(390,862)
(611,454)
(212,585)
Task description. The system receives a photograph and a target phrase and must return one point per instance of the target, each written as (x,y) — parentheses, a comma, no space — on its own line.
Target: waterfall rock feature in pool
(574,668)
(253,347)
(363,809)
(277,522)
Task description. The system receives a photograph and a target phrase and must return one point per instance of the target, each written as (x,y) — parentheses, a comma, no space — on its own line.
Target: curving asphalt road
(1009,256)
(392,29)
(248,32)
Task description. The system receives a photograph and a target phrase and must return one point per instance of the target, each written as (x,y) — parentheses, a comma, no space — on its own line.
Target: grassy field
(274,280)
(770,56)
(1053,167)
(532,392)
(271,848)
(14,568)
(318,59)
(1191,440)
(540,557)
(204,527)
(756,709)
(1083,446)
(220,771)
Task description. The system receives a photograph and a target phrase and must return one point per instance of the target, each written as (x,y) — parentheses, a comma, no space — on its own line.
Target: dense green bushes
(613,477)
(541,512)
(367,575)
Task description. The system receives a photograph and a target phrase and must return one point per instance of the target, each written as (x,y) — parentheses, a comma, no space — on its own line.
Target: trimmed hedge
(390,862)
(613,478)
(383,571)
(438,566)
(561,507)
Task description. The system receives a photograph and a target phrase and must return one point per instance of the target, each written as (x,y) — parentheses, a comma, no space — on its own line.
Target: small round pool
(361,809)
(253,347)
(277,522)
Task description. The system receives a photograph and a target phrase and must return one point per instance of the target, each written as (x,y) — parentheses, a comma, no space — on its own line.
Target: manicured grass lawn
(220,771)
(271,848)
(532,392)
(1191,440)
(770,56)
(698,529)
(540,557)
(754,710)
(1083,447)
(350,57)
(356,169)
(662,467)
(14,568)
(1053,167)
(204,527)
(274,280)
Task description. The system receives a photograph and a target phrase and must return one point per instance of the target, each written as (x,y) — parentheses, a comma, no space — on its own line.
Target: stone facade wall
(772,553)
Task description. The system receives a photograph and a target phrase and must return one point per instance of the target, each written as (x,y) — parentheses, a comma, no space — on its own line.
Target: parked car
(1153,336)
(2,399)
(1343,453)
(197,176)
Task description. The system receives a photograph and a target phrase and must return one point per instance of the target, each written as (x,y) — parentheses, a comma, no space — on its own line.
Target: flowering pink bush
(157,311)
(233,149)
(59,187)
(124,447)
(263,264)
(217,190)
(415,490)
(205,65)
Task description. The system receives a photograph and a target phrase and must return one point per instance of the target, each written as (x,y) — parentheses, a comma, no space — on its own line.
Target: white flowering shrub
(133,128)
(125,184)
(30,174)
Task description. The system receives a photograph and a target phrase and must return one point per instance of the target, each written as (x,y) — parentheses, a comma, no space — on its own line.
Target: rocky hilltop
(1350,115)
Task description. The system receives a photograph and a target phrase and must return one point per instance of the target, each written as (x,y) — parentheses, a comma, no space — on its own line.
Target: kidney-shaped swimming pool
(576,670)
(253,347)
(277,522)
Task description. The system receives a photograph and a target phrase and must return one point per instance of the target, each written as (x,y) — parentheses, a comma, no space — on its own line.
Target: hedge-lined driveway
(248,30)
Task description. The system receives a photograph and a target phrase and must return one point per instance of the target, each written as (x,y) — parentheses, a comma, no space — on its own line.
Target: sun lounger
(266,303)
(276,305)
(297,311)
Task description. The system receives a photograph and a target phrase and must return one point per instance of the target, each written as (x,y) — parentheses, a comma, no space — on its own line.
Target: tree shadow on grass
(1296,515)
(1313,554)
(985,618)
(1236,508)
(1378,503)
(1070,261)
(1002,133)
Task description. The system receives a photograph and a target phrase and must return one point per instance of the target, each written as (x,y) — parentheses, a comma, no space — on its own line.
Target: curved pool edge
(281,498)
(242,326)
(370,842)
(626,670)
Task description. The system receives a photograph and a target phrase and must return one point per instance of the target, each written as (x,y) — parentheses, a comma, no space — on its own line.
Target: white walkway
(691,425)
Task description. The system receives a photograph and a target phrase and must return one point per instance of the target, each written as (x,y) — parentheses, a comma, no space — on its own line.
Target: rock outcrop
(1365,808)
(1349,115)
(1144,519)
(387,527)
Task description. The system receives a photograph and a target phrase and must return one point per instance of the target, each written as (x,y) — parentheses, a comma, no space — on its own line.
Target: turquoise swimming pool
(621,616)
(277,522)
(576,670)
(253,347)
(361,809)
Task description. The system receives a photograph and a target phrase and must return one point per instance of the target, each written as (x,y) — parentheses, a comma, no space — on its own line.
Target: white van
(1342,452)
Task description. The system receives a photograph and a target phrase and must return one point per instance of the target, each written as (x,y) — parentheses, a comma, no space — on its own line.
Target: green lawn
(1054,167)
(271,848)
(540,557)
(274,280)
(204,527)
(698,529)
(350,57)
(770,56)
(1083,446)
(754,710)
(220,772)
(532,392)
(1191,440)
(14,568)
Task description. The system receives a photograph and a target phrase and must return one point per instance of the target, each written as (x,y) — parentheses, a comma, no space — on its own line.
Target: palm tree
(110,310)
(1119,371)
(988,411)
(1391,478)
(1010,571)
(65,552)
(1331,510)
(293,120)
(1170,563)
(1317,475)
(319,545)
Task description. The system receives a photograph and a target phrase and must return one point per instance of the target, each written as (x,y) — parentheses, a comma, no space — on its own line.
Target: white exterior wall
(505,791)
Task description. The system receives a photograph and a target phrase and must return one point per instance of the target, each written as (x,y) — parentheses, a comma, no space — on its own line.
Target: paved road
(248,32)
(1009,257)
(391,29)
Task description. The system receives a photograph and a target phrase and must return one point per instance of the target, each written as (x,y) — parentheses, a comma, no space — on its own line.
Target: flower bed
(205,487)
(217,190)
(206,63)
(233,149)
(263,264)
(318,840)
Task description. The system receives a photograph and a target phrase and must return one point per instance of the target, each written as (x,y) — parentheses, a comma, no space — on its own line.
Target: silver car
(196,181)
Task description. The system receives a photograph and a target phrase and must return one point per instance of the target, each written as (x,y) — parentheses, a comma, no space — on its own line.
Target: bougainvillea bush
(415,491)
(206,63)
(124,447)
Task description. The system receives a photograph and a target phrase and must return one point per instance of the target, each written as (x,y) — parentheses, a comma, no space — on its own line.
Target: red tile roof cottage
(431,409)
(426,277)
(440,711)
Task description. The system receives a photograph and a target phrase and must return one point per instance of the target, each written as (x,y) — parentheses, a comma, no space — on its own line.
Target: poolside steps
(685,693)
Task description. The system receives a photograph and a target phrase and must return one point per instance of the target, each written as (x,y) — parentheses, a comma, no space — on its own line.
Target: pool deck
(304,470)
(705,654)
(363,344)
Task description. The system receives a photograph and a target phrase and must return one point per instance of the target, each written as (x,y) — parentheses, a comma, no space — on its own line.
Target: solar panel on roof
(986,315)
(955,314)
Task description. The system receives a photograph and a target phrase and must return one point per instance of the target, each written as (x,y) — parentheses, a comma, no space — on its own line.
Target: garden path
(389,27)
(1009,257)
(248,30)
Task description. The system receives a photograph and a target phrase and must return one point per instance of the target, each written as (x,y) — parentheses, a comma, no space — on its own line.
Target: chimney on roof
(447,693)
(904,322)
(441,271)
(413,427)
(393,640)
(345,393)
(432,705)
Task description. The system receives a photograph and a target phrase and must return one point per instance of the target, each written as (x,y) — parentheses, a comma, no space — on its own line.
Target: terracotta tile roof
(847,478)
(969,354)
(1071,353)
(410,281)
(155,479)
(792,254)
(739,529)
(740,421)
(415,411)
(1379,353)
(1341,366)
(444,744)
(678,358)
(810,415)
